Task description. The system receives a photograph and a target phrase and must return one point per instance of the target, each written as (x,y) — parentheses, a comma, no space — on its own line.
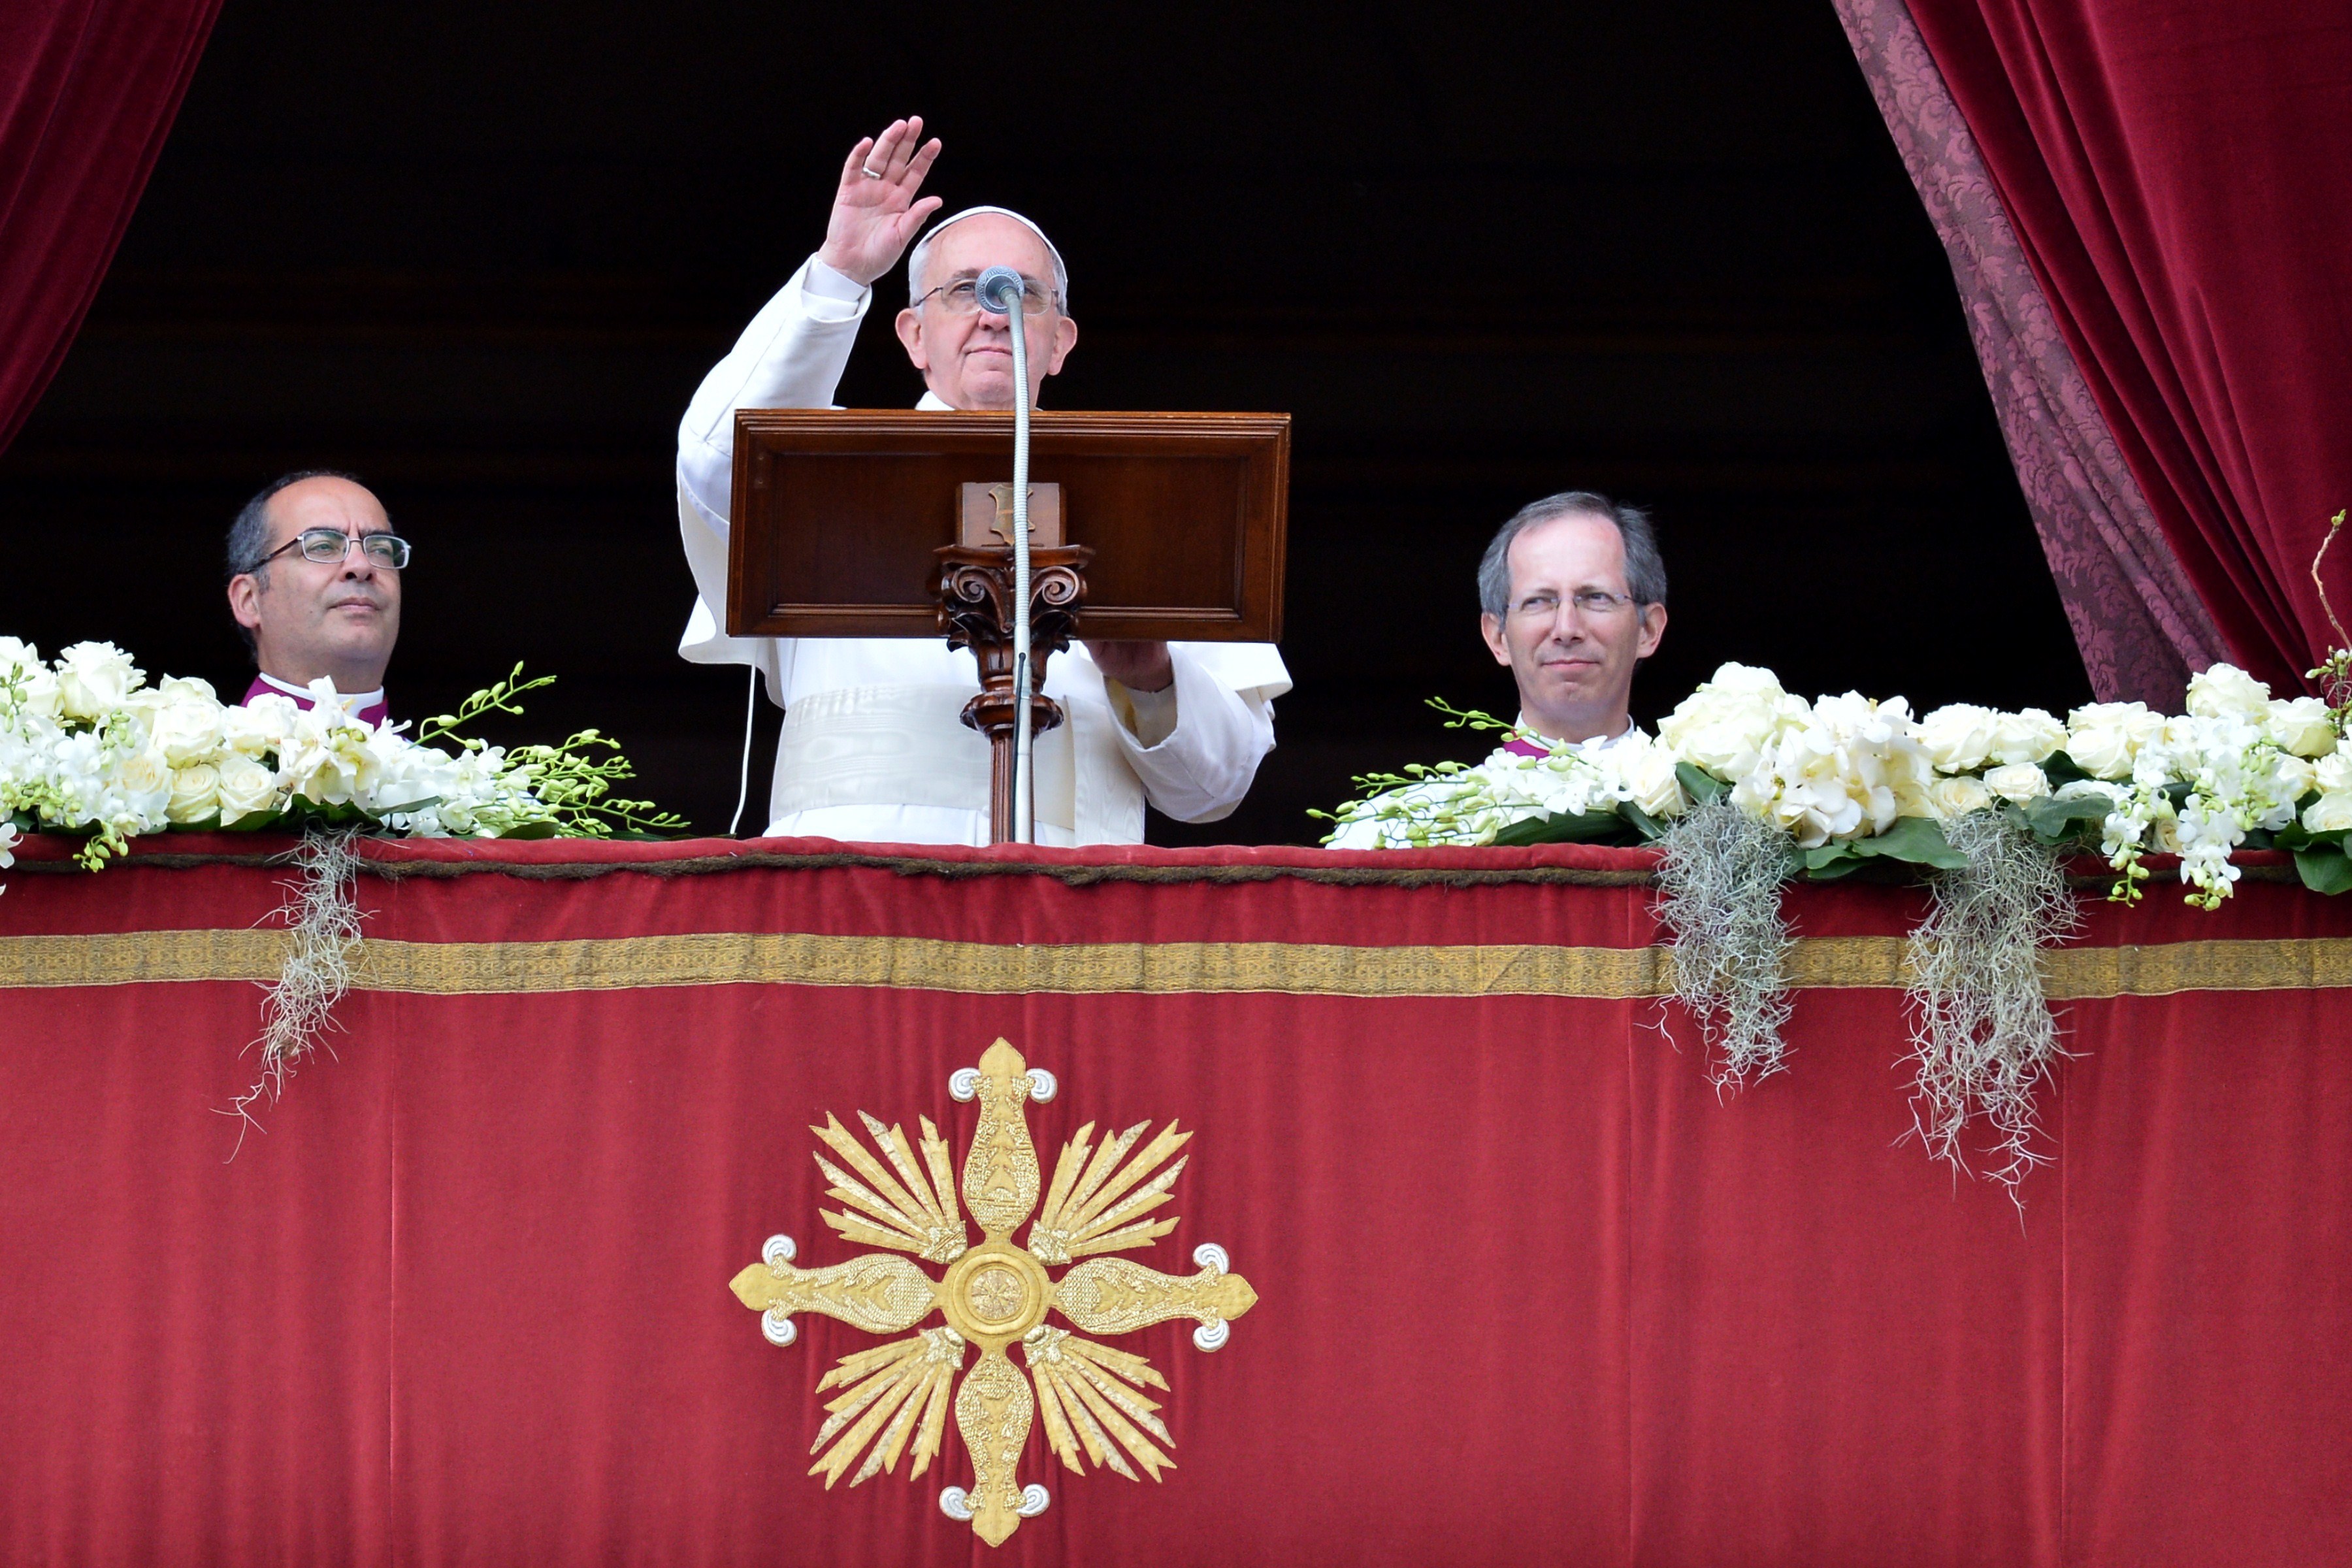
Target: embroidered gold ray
(993,1295)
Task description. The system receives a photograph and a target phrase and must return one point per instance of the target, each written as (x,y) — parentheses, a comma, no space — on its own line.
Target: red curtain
(1530,1291)
(2174,172)
(88,89)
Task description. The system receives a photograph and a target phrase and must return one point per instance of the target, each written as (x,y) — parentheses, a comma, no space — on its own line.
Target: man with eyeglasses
(1571,597)
(873,746)
(314,582)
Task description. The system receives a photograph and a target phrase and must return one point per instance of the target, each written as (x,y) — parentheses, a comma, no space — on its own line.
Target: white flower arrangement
(86,747)
(1848,779)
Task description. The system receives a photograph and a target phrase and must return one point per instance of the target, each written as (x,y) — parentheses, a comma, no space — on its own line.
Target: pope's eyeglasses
(962,297)
(1594,603)
(329,546)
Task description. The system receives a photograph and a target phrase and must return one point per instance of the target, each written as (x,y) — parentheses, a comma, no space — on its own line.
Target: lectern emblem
(994,1295)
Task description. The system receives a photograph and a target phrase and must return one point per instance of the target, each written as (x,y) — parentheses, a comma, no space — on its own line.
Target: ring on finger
(870,173)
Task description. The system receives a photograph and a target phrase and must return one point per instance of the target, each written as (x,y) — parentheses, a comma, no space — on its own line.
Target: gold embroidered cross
(993,1295)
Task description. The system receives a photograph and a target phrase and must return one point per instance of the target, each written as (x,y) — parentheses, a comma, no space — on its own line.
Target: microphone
(999,289)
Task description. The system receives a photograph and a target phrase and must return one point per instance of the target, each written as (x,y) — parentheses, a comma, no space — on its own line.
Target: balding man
(874,747)
(314,584)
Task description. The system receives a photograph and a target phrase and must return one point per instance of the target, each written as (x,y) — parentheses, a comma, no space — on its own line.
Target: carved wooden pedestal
(975,598)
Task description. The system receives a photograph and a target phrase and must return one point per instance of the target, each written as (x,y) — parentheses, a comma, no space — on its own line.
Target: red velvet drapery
(88,89)
(1529,1290)
(2175,172)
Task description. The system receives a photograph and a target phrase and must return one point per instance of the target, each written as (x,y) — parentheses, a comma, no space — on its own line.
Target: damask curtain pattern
(2172,172)
(2137,621)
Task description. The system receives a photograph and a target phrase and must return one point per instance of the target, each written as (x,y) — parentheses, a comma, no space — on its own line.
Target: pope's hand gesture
(874,214)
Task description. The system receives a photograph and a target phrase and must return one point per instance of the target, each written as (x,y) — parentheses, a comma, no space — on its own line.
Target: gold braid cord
(895,1397)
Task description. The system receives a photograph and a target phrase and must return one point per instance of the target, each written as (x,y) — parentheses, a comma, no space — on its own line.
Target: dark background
(482,255)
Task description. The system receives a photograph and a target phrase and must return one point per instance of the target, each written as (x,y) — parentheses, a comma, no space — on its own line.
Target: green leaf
(532,830)
(1698,783)
(1648,827)
(1825,862)
(2053,819)
(1917,840)
(256,822)
(2061,769)
(1553,827)
(2324,869)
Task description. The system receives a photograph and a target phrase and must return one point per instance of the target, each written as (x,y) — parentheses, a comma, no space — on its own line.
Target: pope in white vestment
(874,748)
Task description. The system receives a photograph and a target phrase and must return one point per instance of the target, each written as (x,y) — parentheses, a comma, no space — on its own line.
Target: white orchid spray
(88,748)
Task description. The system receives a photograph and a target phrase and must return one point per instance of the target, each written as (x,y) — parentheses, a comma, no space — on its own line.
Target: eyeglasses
(329,546)
(1596,602)
(963,298)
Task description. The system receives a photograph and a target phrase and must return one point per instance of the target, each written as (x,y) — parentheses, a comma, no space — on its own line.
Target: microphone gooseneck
(1000,289)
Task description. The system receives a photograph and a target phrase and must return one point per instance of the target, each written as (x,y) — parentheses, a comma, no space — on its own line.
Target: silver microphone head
(999,289)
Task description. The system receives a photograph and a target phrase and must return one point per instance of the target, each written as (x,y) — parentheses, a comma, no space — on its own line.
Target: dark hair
(249,536)
(1646,570)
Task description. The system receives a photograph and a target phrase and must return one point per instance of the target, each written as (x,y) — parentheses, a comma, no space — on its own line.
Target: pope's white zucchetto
(921,253)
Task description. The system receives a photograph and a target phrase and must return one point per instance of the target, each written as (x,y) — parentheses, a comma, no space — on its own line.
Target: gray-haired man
(873,747)
(1572,597)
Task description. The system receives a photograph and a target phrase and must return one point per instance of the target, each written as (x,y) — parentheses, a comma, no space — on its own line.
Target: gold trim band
(721,958)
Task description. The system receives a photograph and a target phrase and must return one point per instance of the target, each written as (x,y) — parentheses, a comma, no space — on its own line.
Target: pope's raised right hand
(876,216)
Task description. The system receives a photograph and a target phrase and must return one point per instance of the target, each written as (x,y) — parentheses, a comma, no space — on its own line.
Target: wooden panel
(837,512)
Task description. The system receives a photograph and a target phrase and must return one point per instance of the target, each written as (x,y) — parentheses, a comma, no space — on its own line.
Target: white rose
(259,726)
(143,779)
(1727,724)
(2026,737)
(2332,775)
(195,793)
(2294,777)
(1948,798)
(2301,725)
(2225,692)
(1646,772)
(93,678)
(245,787)
(1959,737)
(184,720)
(2330,813)
(2103,738)
(2020,782)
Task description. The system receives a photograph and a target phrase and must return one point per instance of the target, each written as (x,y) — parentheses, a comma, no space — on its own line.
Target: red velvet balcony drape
(2175,172)
(88,89)
(1529,1291)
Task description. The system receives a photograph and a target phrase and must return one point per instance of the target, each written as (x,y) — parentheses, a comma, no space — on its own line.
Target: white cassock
(874,746)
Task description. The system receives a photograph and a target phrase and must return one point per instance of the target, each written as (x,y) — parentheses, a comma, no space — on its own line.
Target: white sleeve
(1224,696)
(791,356)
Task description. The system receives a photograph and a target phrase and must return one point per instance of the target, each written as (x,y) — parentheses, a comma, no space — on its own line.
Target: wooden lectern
(867,523)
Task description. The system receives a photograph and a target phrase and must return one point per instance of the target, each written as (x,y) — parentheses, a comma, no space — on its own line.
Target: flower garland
(88,748)
(1746,786)
(1848,780)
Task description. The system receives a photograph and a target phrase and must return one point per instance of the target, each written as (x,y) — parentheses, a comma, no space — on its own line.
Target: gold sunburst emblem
(993,1295)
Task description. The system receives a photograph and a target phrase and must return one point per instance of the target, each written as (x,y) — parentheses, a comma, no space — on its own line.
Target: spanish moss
(1720,892)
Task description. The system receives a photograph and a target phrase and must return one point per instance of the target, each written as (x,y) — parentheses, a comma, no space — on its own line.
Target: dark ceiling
(482,255)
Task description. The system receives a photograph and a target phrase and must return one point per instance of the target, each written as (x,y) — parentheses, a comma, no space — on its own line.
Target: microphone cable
(743,780)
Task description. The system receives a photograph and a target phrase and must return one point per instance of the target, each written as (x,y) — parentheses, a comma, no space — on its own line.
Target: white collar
(1592,743)
(934,402)
(352,701)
